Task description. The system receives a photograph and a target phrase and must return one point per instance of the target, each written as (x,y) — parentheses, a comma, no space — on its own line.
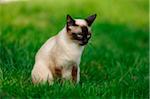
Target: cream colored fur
(58,51)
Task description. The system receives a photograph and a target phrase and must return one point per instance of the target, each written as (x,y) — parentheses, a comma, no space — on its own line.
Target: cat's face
(79,29)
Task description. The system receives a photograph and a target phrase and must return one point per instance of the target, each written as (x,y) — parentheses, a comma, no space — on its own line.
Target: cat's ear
(70,21)
(90,19)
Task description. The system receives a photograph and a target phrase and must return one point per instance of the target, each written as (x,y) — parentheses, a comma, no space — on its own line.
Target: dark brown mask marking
(84,30)
(83,37)
(85,34)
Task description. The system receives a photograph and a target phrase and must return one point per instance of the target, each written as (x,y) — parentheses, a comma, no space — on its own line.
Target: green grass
(115,64)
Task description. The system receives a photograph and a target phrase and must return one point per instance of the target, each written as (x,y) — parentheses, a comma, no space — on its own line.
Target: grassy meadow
(115,64)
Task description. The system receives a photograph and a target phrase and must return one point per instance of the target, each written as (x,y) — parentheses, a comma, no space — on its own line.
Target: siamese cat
(59,57)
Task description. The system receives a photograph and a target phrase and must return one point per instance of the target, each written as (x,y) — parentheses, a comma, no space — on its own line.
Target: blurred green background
(114,63)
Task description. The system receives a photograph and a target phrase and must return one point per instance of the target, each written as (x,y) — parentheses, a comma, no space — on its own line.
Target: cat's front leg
(41,74)
(75,74)
(78,75)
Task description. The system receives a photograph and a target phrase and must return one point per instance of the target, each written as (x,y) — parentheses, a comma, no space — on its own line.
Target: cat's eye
(79,35)
(88,36)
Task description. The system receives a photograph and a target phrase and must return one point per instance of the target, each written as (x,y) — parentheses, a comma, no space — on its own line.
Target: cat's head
(79,29)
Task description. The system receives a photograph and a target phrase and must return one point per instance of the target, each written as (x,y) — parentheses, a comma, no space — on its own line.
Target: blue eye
(88,36)
(79,35)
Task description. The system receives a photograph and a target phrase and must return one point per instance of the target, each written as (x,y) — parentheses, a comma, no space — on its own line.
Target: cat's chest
(69,55)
